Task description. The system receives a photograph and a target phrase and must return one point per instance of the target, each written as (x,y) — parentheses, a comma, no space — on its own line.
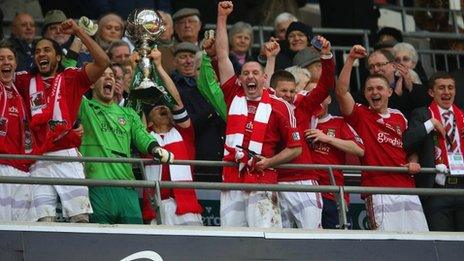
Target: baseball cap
(186,47)
(305,57)
(184,12)
(53,17)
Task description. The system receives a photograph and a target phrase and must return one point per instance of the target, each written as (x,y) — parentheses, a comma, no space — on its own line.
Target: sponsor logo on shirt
(296,136)
(13,111)
(383,137)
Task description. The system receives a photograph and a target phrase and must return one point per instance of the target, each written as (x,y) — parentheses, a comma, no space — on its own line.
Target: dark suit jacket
(416,139)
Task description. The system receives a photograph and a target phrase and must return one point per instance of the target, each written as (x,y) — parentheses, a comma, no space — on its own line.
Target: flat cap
(186,47)
(184,12)
(305,57)
(53,17)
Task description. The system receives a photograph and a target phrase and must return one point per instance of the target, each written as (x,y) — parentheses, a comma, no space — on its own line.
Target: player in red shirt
(54,98)
(303,209)
(381,129)
(15,138)
(261,124)
(173,131)
(330,139)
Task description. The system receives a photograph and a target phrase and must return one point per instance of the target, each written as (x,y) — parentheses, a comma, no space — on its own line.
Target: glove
(233,154)
(87,25)
(162,155)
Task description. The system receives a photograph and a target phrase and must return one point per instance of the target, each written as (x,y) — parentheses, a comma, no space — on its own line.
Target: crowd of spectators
(68,93)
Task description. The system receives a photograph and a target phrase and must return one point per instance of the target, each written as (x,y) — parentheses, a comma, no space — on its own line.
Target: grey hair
(408,48)
(241,27)
(115,44)
(283,17)
(296,71)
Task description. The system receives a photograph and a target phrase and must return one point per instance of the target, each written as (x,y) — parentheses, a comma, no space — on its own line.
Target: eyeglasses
(405,59)
(377,65)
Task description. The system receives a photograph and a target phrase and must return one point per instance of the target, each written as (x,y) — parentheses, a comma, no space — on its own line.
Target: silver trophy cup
(144,28)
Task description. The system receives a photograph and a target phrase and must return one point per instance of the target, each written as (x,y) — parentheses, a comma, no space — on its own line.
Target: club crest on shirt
(331,133)
(37,101)
(296,136)
(122,121)
(53,124)
(398,130)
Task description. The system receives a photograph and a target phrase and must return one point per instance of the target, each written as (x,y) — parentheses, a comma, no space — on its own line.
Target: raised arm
(170,86)
(342,90)
(271,49)
(100,59)
(226,69)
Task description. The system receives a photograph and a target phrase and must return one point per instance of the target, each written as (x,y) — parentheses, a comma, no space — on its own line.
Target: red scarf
(235,133)
(51,110)
(441,152)
(26,137)
(186,199)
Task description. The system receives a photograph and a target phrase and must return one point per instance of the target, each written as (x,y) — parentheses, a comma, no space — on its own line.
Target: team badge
(331,133)
(398,130)
(122,121)
(296,136)
(38,101)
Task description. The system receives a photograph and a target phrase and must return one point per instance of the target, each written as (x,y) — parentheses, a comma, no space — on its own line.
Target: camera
(316,43)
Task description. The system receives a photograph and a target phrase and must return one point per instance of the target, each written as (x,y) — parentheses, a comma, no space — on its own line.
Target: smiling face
(7,66)
(240,43)
(111,31)
(443,92)
(297,40)
(377,92)
(379,64)
(103,88)
(46,58)
(54,32)
(252,79)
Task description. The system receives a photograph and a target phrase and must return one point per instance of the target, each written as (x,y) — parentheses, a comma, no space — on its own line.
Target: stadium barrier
(157,185)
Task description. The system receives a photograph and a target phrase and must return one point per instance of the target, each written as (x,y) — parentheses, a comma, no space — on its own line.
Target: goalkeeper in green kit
(111,131)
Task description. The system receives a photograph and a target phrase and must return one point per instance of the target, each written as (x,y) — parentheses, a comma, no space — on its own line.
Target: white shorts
(74,199)
(15,199)
(396,213)
(301,209)
(250,209)
(169,217)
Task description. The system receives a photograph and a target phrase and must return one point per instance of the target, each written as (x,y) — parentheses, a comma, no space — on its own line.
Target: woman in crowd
(241,41)
(110,28)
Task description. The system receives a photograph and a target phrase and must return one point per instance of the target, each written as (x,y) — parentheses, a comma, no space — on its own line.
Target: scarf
(26,137)
(186,199)
(441,152)
(51,110)
(235,133)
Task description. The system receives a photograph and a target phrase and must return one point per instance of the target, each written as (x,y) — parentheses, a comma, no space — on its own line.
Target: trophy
(144,28)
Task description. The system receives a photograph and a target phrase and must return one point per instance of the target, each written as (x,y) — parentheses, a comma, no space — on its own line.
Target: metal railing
(158,185)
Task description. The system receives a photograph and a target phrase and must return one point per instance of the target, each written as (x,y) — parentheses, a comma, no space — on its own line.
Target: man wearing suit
(435,133)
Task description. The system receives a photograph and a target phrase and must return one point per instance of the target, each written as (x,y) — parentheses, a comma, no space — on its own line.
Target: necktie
(450,131)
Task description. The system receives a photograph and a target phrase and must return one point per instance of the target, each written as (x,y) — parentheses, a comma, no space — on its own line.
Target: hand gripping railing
(339,190)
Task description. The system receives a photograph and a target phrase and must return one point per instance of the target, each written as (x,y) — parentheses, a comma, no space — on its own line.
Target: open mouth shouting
(375,100)
(6,73)
(108,87)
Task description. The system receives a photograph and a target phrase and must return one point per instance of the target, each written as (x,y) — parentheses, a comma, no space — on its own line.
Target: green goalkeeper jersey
(110,131)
